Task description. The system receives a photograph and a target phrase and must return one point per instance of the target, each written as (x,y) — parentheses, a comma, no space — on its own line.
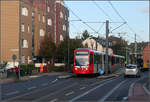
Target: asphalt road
(49,88)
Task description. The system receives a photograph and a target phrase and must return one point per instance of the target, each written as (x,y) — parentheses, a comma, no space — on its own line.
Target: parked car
(132,70)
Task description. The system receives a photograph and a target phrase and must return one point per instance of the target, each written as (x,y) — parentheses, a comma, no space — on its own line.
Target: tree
(62,49)
(47,48)
(85,35)
(119,49)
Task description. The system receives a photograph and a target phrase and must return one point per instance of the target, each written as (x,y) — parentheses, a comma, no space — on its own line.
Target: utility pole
(20,38)
(55,21)
(106,57)
(149,49)
(126,54)
(135,50)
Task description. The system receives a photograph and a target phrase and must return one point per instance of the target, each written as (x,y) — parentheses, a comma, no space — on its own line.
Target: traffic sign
(14,57)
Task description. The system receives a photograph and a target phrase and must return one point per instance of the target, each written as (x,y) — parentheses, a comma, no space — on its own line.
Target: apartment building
(16,28)
(62,24)
(39,31)
(26,22)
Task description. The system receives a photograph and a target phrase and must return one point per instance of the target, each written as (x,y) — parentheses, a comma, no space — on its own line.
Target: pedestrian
(125,63)
(17,72)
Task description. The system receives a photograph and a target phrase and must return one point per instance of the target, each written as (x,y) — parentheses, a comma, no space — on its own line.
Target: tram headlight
(76,68)
(86,68)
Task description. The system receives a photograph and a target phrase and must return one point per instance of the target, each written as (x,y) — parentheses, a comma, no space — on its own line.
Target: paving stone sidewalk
(139,94)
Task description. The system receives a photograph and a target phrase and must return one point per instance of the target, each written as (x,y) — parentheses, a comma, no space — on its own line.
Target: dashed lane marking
(110,92)
(82,88)
(125,98)
(30,88)
(70,93)
(56,92)
(12,93)
(44,84)
(89,91)
(54,100)
(54,81)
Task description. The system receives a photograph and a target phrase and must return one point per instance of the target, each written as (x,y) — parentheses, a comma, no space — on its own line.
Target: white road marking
(12,93)
(146,90)
(54,100)
(100,82)
(70,93)
(54,81)
(30,88)
(125,98)
(130,93)
(44,84)
(31,92)
(56,92)
(75,98)
(82,88)
(110,92)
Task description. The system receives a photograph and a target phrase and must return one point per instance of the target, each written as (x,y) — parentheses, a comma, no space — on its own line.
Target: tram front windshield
(81,59)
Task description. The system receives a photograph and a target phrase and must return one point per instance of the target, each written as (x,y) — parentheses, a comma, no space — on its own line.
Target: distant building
(90,42)
(146,54)
(116,40)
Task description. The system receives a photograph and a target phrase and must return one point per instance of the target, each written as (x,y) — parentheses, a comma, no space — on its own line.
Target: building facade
(25,23)
(146,55)
(16,29)
(62,26)
(90,42)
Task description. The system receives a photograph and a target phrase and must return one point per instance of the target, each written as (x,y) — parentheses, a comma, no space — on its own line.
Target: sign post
(14,57)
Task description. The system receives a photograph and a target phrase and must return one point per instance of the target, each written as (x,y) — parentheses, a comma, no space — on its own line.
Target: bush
(27,69)
(58,69)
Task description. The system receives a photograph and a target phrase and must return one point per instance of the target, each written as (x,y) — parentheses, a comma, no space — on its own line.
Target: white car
(132,69)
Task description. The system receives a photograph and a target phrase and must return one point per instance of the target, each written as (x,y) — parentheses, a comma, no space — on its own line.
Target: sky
(135,13)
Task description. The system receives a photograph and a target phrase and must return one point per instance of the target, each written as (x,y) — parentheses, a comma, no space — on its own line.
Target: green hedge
(27,69)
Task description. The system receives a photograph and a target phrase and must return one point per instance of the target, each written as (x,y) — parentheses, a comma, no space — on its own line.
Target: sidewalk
(25,78)
(139,94)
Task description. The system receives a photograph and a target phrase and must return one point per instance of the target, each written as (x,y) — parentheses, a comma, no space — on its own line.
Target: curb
(106,77)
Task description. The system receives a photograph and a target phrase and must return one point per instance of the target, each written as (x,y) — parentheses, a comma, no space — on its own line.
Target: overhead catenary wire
(99,7)
(81,19)
(122,18)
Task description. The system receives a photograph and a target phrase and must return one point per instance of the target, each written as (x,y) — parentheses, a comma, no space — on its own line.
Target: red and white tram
(87,61)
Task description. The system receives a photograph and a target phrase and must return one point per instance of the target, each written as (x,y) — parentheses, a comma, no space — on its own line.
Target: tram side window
(117,60)
(91,58)
(113,60)
(100,59)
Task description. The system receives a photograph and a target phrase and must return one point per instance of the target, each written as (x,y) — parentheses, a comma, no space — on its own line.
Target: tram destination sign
(82,52)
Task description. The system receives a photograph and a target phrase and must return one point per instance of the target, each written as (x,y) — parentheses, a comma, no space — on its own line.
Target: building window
(61,38)
(48,9)
(65,17)
(24,11)
(23,59)
(64,27)
(24,44)
(22,27)
(49,22)
(43,19)
(42,32)
(39,17)
(28,28)
(61,15)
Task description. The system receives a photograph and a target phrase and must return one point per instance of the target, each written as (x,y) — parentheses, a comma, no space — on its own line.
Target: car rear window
(130,67)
